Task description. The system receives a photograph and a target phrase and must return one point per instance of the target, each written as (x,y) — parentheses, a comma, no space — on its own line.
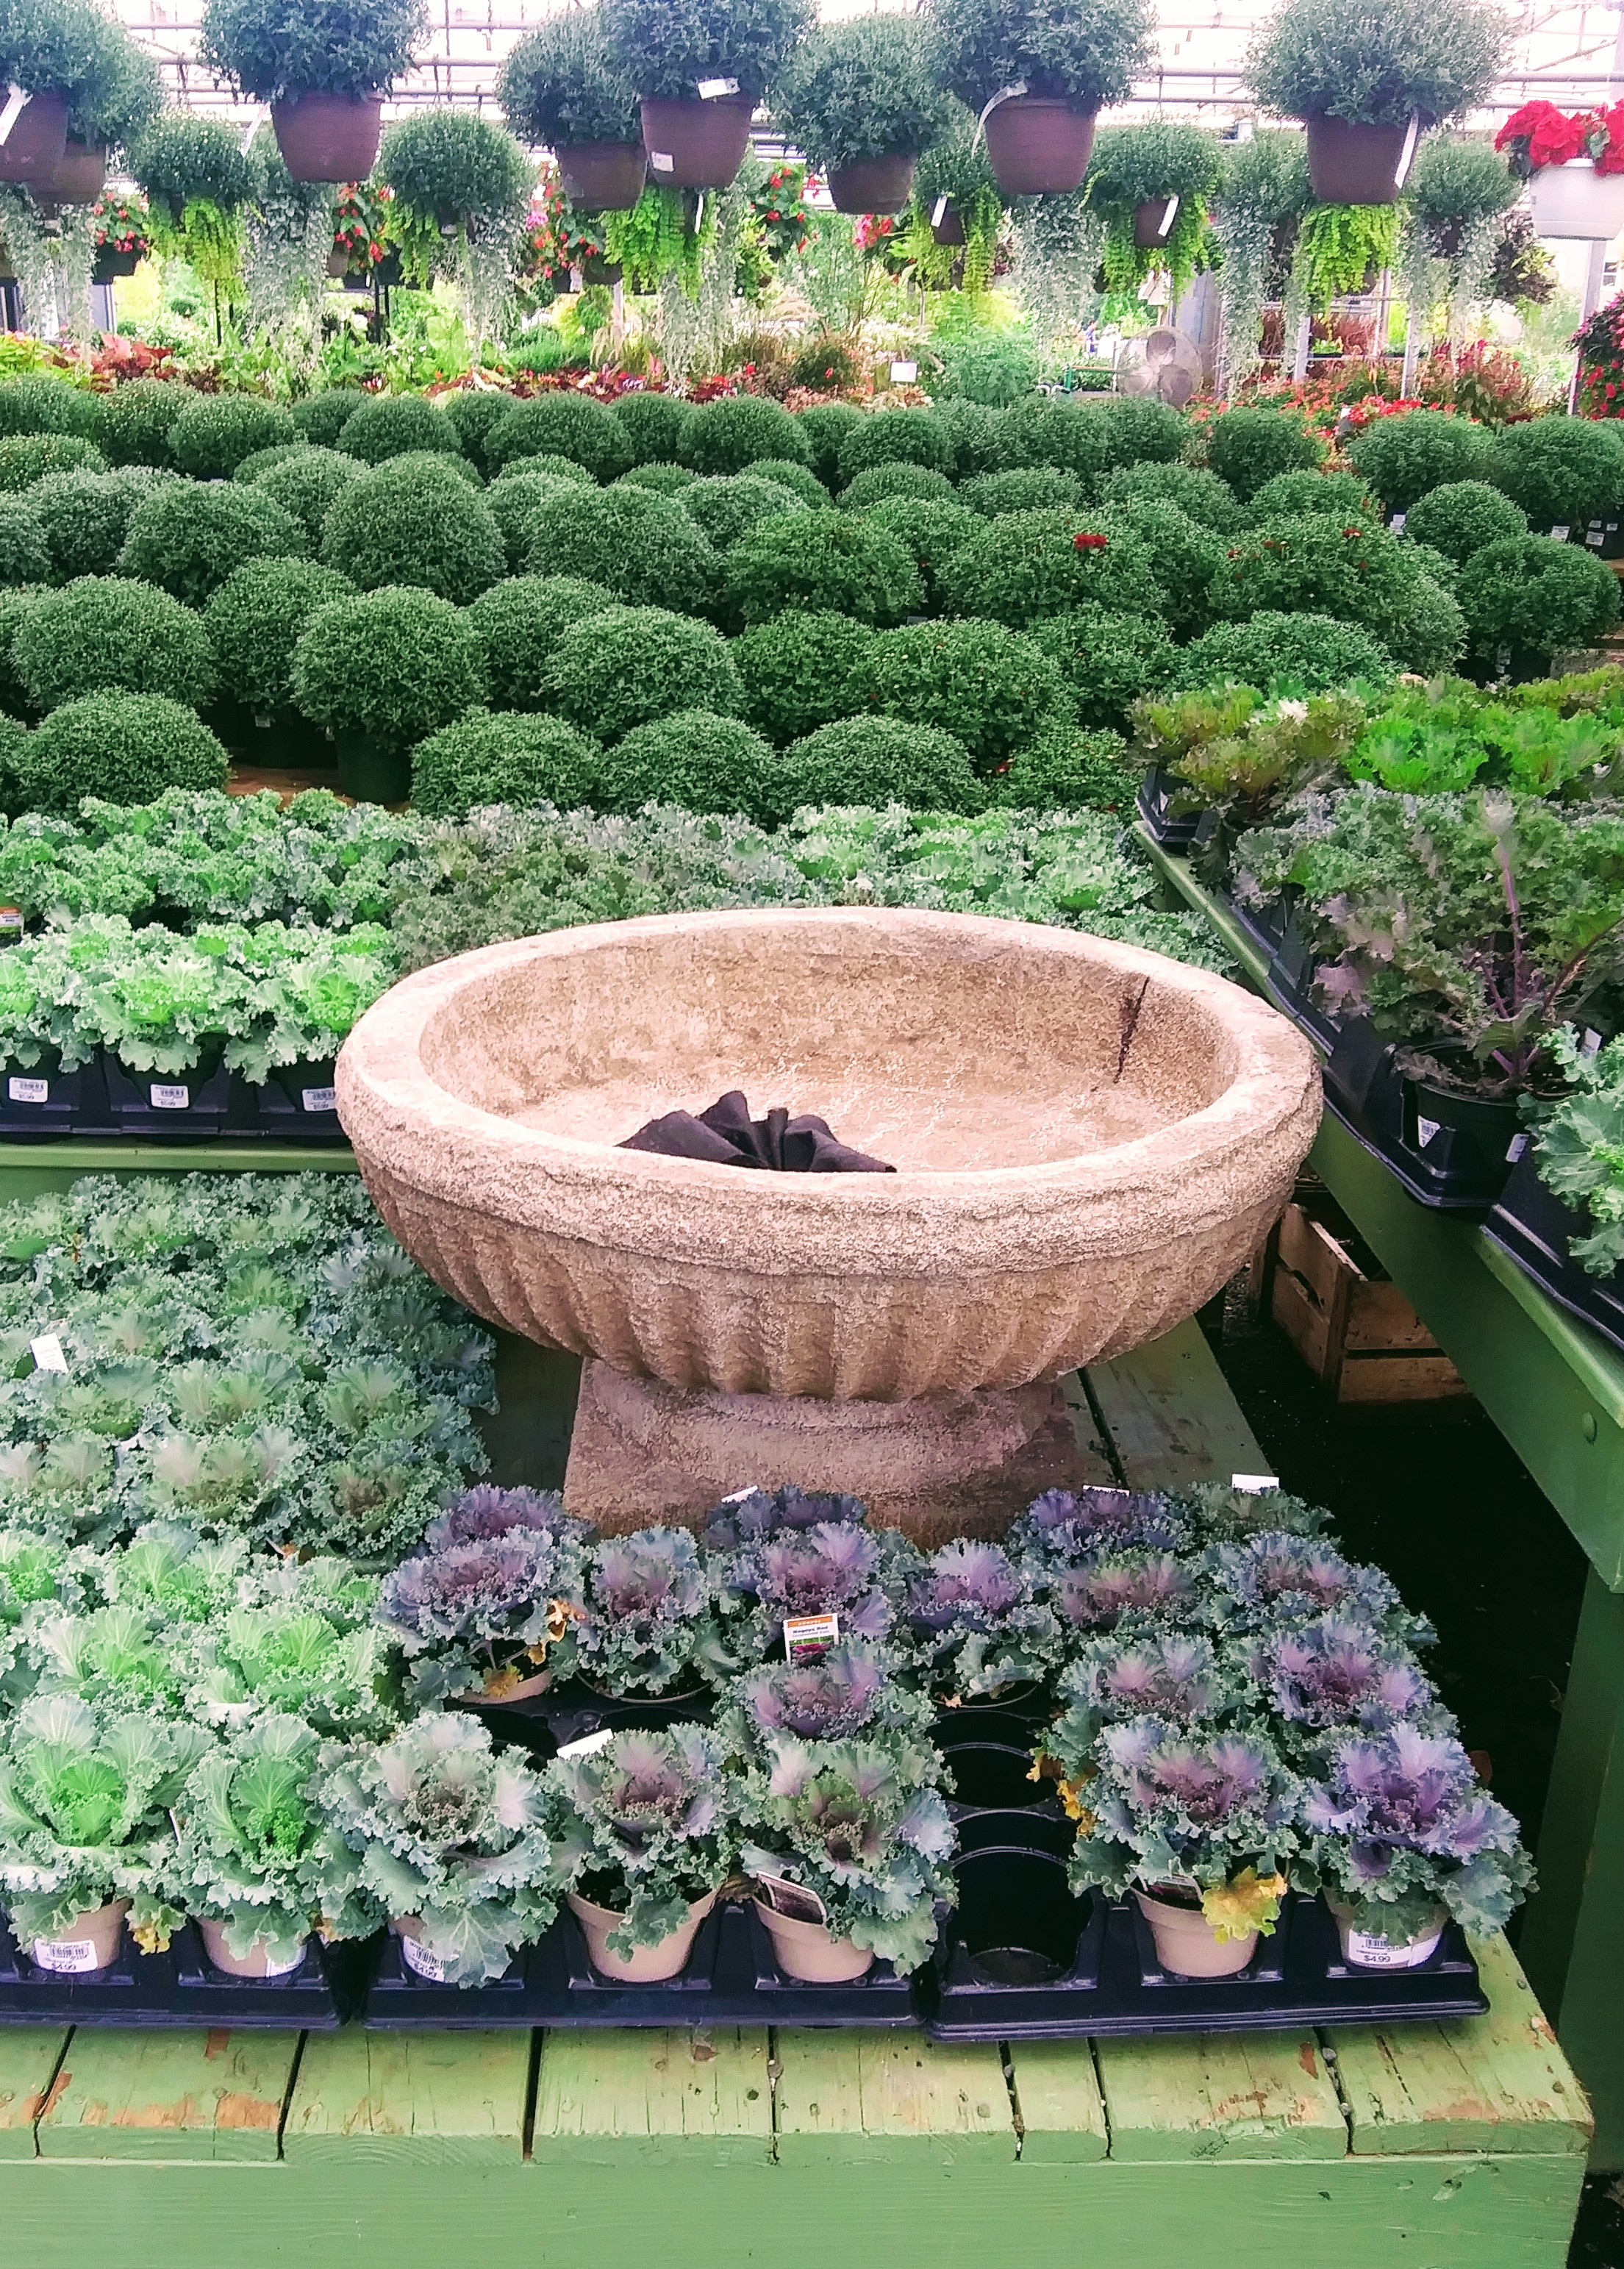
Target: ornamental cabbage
(646,1612)
(485,1616)
(645,1826)
(975,1622)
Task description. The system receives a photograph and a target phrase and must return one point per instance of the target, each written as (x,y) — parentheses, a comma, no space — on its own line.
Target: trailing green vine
(982,214)
(210,240)
(658,238)
(1338,245)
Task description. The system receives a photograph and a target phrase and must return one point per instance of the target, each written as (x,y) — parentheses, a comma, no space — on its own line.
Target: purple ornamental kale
(964,1587)
(1128,1587)
(1407,1790)
(646,1601)
(1336,1670)
(1070,1523)
(756,1514)
(651,1786)
(1172,1675)
(829,1569)
(484,1511)
(1206,1782)
(467,1590)
(826,1700)
(1277,1573)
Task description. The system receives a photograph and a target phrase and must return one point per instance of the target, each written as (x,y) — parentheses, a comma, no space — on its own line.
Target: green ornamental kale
(645,1826)
(1579,1147)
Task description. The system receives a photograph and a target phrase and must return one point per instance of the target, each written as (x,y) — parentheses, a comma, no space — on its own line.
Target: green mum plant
(271,51)
(562,85)
(861,89)
(395,664)
(100,634)
(408,522)
(667,47)
(1431,59)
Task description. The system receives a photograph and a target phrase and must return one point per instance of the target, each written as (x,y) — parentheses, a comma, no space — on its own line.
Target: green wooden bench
(1452,2147)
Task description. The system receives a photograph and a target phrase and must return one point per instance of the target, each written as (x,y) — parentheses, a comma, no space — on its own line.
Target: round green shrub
(1067,769)
(502,757)
(1312,652)
(216,431)
(1192,488)
(321,417)
(1462,516)
(1107,661)
(697,759)
(726,436)
(513,502)
(47,405)
(1025,488)
(990,688)
(188,536)
(726,504)
(384,425)
(254,621)
(900,479)
(1246,448)
(1335,496)
(1026,565)
(1563,471)
(1092,435)
(655,427)
(643,548)
(1528,595)
(15,607)
(822,429)
(25,555)
(613,672)
(437,463)
(1354,573)
(800,670)
(570,426)
(1400,458)
(518,624)
(990,370)
(26,458)
(659,478)
(124,748)
(133,421)
(409,521)
(100,634)
(896,437)
(261,461)
(929,533)
(880,760)
(13,746)
(1444,570)
(562,469)
(1431,635)
(1186,559)
(307,486)
(979,435)
(393,665)
(472,412)
(800,480)
(836,560)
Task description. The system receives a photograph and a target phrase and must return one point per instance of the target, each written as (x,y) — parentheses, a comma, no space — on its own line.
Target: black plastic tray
(1156,794)
(732,1978)
(183,1987)
(1451,1171)
(544,1723)
(102,1103)
(1534,1226)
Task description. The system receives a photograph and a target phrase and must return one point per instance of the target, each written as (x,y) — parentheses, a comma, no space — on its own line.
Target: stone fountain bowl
(1090,1140)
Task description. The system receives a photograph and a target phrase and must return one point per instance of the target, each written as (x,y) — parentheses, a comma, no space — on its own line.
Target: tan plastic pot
(1370,1950)
(697,145)
(89,1942)
(1039,145)
(873,184)
(329,138)
(1351,164)
(80,178)
(33,150)
(1186,1943)
(810,1951)
(255,1964)
(604,176)
(650,1963)
(408,1930)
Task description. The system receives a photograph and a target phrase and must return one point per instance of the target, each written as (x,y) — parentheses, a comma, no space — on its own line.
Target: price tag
(425,1964)
(1372,1952)
(904,373)
(1425,1129)
(14,100)
(1401,171)
(68,1957)
(12,925)
(1169,214)
(319,1099)
(938,209)
(738,1495)
(661,161)
(1254,1484)
(792,1899)
(1590,1044)
(171,1098)
(1514,1149)
(1005,94)
(1593,535)
(47,1351)
(1559,534)
(807,1637)
(698,213)
(587,1743)
(712,90)
(1397,523)
(28,1091)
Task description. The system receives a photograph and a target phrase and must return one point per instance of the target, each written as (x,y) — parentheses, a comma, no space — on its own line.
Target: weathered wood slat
(444,2098)
(1171,1415)
(634,2097)
(891,2096)
(1058,2103)
(30,2056)
(168,2096)
(1220,2095)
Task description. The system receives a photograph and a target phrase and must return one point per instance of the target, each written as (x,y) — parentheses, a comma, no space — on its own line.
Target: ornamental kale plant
(450,1839)
(848,1691)
(287,1658)
(645,1826)
(112,1657)
(485,1511)
(1339,1672)
(852,1821)
(1177,1677)
(1064,1525)
(834,1567)
(84,1797)
(1579,1147)
(646,1617)
(1122,1589)
(1222,1514)
(253,1852)
(975,1624)
(1400,1826)
(1278,1577)
(487,1615)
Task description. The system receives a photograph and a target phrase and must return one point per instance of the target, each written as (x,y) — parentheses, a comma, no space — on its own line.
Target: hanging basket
(109,266)
(33,150)
(1351,164)
(697,145)
(873,184)
(80,178)
(604,176)
(950,228)
(329,138)
(338,264)
(1576,201)
(1153,222)
(1039,146)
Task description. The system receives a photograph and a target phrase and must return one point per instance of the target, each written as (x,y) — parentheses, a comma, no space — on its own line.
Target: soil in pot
(697,145)
(1039,145)
(1153,221)
(88,1943)
(1364,1950)
(1186,1943)
(329,138)
(604,176)
(36,146)
(1016,1918)
(649,1965)
(255,1964)
(874,185)
(804,1944)
(1351,164)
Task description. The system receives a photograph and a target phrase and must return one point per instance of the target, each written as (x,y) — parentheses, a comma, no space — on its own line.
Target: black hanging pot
(697,145)
(109,266)
(1153,221)
(873,184)
(1352,164)
(604,176)
(596,269)
(949,229)
(1039,145)
(329,138)
(34,147)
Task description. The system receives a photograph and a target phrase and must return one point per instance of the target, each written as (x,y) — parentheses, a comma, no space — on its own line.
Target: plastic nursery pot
(34,147)
(1366,1950)
(875,185)
(1574,200)
(810,1951)
(596,269)
(1153,221)
(414,1954)
(1472,1136)
(646,1713)
(1537,1227)
(1016,1918)
(1039,145)
(80,178)
(371,772)
(40,1098)
(950,228)
(1351,164)
(1023,1699)
(89,1942)
(649,1964)
(307,1086)
(994,1776)
(697,145)
(328,137)
(255,1964)
(1186,1943)
(337,265)
(109,266)
(604,176)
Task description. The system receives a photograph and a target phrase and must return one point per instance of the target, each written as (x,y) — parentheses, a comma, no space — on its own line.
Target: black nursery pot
(174,1106)
(1537,1227)
(875,185)
(109,266)
(1016,1918)
(1153,221)
(299,1103)
(1469,1138)
(40,1100)
(373,772)
(1156,796)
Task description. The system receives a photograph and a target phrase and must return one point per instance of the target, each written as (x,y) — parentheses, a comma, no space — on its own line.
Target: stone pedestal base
(945,1465)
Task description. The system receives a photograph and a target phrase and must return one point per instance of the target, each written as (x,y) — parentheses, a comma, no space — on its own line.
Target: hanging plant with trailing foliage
(1338,246)
(195,177)
(953,179)
(667,233)
(1457,191)
(1263,190)
(1154,166)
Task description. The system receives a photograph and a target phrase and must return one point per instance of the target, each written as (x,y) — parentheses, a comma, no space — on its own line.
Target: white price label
(1590,1044)
(28,1091)
(69,1956)
(1169,214)
(171,1098)
(904,373)
(807,1637)
(14,100)
(712,90)
(1425,1129)
(47,1353)
(11,920)
(319,1099)
(1514,1149)
(587,1743)
(938,209)
(1253,1484)
(425,1964)
(1373,1953)
(661,161)
(1596,537)
(1559,534)
(1397,523)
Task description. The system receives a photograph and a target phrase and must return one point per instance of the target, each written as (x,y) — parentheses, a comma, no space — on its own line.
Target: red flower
(1086,542)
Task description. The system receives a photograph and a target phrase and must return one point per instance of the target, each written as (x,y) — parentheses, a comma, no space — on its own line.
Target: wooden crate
(1349,1322)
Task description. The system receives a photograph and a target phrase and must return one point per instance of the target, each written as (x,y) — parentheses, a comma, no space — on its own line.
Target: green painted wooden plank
(1060,2111)
(1093,1455)
(894,2097)
(620,2097)
(29,1168)
(454,2099)
(1220,2095)
(1170,1415)
(30,2057)
(168,2096)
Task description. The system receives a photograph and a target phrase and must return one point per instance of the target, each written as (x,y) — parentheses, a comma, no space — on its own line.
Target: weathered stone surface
(1090,1139)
